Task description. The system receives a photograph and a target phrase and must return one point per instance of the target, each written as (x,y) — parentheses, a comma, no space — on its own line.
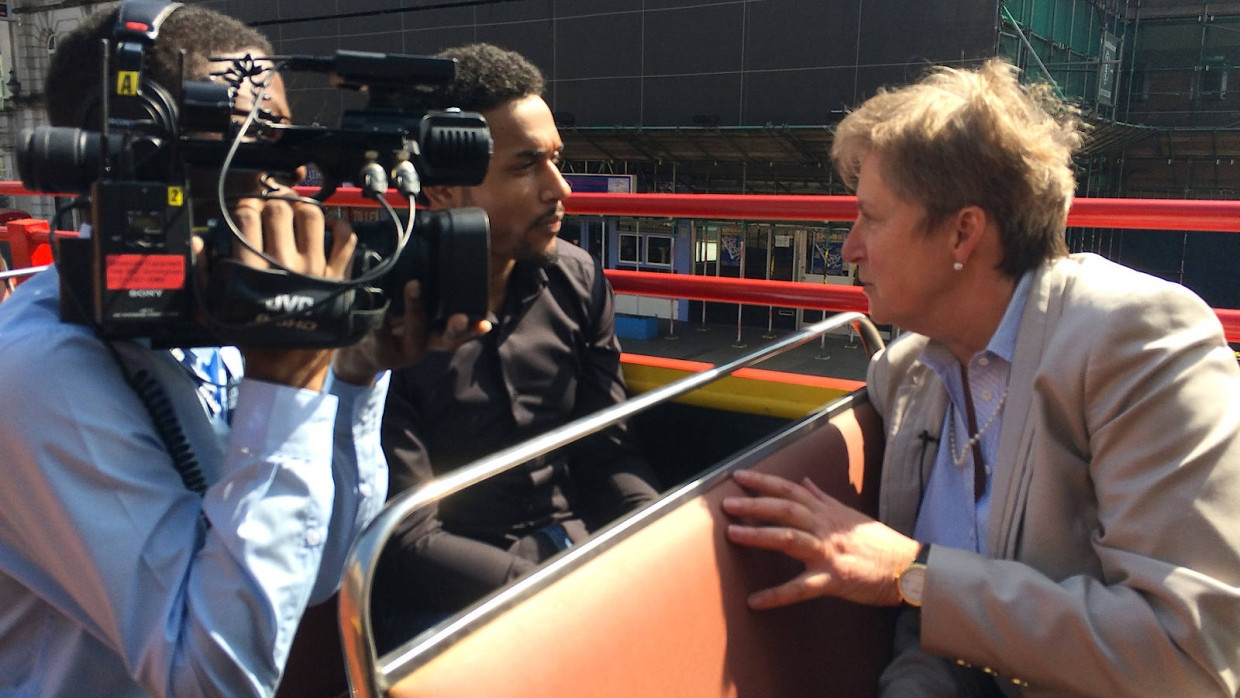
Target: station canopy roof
(783,159)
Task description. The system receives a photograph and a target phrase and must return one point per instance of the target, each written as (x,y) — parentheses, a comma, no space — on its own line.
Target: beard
(544,255)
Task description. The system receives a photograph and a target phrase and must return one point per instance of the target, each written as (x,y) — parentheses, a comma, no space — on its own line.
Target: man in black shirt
(551,357)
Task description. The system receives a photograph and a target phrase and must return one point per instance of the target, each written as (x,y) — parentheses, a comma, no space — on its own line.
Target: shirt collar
(525,283)
(1002,343)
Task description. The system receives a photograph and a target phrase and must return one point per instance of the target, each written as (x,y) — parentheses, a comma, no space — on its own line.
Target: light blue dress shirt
(115,579)
(949,515)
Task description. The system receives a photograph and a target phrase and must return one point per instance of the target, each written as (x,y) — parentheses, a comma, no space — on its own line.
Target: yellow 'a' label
(127,83)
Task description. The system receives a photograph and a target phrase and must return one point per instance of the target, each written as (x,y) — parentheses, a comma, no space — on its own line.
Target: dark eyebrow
(535,153)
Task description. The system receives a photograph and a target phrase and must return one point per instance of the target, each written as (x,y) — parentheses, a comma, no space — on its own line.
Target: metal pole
(822,349)
(770,260)
(671,302)
(744,235)
(705,240)
(1032,53)
(10,274)
(741,306)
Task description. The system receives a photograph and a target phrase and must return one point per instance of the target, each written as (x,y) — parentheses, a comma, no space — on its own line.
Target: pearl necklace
(951,433)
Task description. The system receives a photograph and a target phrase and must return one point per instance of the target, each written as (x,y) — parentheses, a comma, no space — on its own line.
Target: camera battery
(141,257)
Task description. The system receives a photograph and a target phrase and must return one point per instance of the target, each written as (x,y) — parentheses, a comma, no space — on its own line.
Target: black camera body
(135,276)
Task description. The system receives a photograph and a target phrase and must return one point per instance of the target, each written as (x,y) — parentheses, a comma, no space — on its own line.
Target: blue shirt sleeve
(360,471)
(115,579)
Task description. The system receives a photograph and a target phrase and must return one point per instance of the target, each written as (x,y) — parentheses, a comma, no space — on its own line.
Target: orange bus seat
(659,610)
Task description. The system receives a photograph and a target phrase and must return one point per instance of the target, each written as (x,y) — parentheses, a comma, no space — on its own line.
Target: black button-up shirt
(551,357)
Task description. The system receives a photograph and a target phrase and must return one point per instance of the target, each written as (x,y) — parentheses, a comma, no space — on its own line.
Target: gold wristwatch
(912,580)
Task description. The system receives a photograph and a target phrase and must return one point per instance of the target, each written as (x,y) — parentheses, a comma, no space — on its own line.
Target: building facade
(741,96)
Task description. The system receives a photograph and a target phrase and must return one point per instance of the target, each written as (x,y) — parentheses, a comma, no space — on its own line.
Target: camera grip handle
(272,308)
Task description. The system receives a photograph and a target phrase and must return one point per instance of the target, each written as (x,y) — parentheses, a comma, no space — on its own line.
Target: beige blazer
(1115,513)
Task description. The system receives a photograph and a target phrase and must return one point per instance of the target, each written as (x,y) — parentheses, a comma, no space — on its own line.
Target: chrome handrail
(357,633)
(7,274)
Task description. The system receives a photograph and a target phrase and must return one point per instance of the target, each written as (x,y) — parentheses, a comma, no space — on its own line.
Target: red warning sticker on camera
(125,272)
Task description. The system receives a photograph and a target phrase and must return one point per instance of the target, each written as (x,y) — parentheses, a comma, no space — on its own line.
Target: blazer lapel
(908,457)
(1008,498)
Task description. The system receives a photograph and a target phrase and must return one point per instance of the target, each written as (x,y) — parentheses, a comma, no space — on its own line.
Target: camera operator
(116,578)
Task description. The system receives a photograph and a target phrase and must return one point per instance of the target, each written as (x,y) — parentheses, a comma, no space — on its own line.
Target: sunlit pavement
(834,355)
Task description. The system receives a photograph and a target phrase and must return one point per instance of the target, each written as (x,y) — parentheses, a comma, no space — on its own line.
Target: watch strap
(923,554)
(918,568)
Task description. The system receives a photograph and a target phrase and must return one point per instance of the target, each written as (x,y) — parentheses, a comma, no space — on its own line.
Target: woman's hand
(846,553)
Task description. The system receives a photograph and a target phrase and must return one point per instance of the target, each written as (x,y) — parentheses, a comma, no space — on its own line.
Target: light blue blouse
(949,515)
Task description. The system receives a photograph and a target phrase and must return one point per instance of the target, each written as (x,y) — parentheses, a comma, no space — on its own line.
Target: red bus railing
(1136,214)
(787,294)
(28,239)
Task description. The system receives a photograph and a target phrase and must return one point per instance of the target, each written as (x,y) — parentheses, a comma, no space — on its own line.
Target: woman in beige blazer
(1061,476)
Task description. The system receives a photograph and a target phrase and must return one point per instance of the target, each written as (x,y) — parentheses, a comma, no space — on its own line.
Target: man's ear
(440,196)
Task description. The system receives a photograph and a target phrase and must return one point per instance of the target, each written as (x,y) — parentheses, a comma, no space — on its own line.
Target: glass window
(659,250)
(628,249)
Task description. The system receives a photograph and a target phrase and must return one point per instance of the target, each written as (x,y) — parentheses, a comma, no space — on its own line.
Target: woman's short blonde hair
(960,138)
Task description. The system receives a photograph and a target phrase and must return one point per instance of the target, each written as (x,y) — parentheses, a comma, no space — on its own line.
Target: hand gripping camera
(134,277)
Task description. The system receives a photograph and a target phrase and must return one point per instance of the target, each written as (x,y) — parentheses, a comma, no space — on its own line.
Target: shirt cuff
(364,402)
(274,418)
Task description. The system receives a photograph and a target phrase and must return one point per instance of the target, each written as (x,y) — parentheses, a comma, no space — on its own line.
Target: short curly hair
(198,31)
(960,138)
(486,77)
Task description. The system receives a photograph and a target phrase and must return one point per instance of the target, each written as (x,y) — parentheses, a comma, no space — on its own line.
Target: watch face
(912,582)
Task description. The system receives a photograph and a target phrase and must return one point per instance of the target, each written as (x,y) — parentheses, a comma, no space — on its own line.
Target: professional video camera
(136,151)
